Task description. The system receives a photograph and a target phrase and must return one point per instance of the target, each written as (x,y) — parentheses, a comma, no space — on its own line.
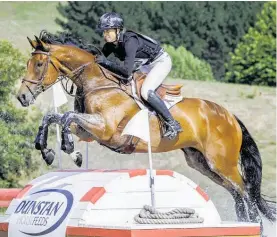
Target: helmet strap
(117,35)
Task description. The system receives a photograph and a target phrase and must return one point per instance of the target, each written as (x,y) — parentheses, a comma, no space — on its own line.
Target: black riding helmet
(110,20)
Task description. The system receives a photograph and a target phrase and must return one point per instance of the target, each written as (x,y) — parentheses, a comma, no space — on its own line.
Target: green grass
(22,19)
(3,210)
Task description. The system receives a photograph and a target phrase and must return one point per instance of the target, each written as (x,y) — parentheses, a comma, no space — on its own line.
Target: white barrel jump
(103,203)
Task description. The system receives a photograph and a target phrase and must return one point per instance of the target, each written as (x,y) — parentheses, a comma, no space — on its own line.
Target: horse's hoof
(77,158)
(67,143)
(68,148)
(48,155)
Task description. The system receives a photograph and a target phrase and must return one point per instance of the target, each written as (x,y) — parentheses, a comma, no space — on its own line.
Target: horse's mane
(68,38)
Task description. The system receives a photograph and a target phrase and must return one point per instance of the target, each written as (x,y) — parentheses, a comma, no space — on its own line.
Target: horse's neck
(76,63)
(100,79)
(92,77)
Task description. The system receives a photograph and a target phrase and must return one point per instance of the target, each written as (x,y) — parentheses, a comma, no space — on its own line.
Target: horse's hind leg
(196,160)
(226,166)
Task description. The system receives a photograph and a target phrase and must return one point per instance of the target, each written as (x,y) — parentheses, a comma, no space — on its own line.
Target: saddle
(162,90)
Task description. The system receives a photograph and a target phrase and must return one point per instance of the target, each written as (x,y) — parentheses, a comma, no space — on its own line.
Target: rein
(40,87)
(118,83)
(74,74)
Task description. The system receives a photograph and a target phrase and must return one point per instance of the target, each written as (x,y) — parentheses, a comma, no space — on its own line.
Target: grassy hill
(21,19)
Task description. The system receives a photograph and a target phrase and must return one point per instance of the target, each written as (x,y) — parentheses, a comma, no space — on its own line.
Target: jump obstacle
(104,203)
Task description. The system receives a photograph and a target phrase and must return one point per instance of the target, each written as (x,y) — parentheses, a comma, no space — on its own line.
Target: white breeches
(157,72)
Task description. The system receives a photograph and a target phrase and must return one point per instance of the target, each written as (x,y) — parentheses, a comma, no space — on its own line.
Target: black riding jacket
(131,46)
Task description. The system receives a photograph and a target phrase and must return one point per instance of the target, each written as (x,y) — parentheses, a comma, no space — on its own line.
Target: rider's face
(110,35)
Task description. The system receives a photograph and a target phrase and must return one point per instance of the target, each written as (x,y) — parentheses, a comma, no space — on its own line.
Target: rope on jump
(149,215)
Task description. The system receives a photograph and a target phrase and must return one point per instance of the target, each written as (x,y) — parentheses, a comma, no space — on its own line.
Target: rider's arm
(131,47)
(107,49)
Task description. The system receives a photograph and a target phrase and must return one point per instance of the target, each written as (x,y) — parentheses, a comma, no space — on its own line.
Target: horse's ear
(33,43)
(43,46)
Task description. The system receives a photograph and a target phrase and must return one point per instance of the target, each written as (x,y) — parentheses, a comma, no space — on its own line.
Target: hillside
(255,106)
(21,19)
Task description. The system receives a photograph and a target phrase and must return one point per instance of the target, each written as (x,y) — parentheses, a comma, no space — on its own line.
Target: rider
(129,47)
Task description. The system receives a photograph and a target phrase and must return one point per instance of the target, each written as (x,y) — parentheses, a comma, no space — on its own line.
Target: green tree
(187,66)
(17,127)
(82,17)
(210,30)
(254,60)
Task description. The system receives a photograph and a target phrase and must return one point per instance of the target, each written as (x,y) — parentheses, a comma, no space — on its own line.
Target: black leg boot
(173,127)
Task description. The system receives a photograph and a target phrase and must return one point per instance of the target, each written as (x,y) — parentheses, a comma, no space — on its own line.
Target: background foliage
(17,127)
(210,30)
(254,60)
(185,65)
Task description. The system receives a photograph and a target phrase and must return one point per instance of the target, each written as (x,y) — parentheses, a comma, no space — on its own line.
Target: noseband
(40,87)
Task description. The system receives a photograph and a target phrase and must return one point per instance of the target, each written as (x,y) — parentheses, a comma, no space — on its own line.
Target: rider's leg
(160,68)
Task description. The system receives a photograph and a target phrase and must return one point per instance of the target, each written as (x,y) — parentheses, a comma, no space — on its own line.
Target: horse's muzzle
(23,100)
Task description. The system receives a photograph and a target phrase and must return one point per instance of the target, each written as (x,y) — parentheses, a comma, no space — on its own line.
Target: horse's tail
(251,166)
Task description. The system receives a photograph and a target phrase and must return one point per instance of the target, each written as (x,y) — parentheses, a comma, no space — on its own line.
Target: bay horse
(215,142)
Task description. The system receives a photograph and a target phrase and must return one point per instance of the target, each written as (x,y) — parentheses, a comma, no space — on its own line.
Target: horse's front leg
(91,123)
(41,138)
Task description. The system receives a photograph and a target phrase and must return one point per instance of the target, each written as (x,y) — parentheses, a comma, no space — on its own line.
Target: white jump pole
(58,141)
(59,98)
(152,183)
(138,126)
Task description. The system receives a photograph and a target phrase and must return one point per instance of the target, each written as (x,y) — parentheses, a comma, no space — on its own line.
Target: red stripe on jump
(24,191)
(4,227)
(7,195)
(204,231)
(93,195)
(5,203)
(82,231)
(134,173)
(202,193)
(165,172)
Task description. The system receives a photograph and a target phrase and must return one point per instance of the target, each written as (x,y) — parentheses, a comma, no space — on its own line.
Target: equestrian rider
(132,47)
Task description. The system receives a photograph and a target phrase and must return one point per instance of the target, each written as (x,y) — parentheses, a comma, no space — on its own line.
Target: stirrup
(170,130)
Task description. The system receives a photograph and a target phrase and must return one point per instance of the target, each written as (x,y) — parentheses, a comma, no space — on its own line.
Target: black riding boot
(172,126)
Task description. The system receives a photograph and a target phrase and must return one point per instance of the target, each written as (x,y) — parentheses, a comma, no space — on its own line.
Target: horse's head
(47,63)
(41,73)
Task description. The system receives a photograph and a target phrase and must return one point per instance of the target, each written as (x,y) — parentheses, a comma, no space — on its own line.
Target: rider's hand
(100,59)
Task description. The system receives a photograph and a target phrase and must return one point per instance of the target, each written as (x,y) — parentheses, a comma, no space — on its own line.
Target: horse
(215,142)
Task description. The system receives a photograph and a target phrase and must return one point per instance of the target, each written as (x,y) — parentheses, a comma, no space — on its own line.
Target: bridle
(40,87)
(75,73)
